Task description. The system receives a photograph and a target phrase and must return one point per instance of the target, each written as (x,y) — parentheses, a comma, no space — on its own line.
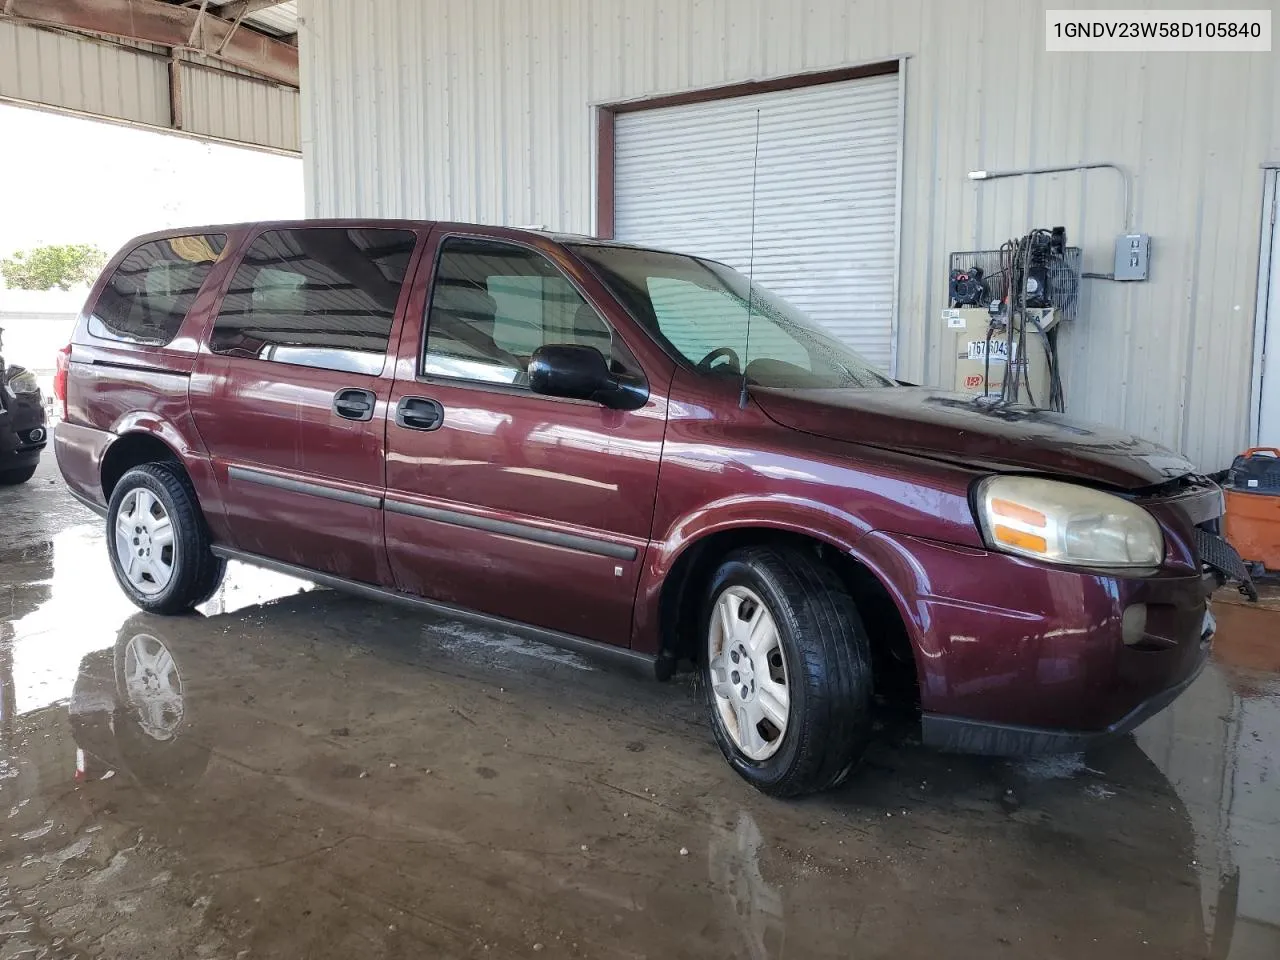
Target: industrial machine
(1004,309)
(983,354)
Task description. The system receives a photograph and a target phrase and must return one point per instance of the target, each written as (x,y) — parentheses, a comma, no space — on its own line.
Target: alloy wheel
(145,545)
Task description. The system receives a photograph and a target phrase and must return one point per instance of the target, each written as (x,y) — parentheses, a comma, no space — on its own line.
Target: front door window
(493,304)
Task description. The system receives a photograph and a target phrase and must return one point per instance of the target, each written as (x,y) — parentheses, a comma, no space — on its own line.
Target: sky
(72,180)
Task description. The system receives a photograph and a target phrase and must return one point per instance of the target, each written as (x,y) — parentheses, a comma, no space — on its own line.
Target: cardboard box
(969,327)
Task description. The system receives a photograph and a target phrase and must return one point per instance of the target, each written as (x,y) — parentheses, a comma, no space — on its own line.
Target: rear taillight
(60,378)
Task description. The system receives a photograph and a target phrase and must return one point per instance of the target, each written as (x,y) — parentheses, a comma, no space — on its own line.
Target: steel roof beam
(167,25)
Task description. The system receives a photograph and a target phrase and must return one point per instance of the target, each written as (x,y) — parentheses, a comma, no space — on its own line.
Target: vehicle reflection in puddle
(755,907)
(321,776)
(1218,748)
(61,601)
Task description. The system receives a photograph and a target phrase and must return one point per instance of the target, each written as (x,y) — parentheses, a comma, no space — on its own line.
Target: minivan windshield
(699,309)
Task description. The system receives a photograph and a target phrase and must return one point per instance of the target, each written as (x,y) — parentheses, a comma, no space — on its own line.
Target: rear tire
(158,542)
(11,478)
(786,670)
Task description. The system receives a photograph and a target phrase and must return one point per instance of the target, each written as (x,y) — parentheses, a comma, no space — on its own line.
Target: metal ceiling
(226,70)
(253,35)
(279,18)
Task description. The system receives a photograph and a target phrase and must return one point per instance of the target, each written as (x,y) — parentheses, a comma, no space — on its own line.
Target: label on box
(999,350)
(954,320)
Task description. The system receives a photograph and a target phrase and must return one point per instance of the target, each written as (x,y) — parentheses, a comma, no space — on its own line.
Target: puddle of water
(491,646)
(659,848)
(63,603)
(1218,747)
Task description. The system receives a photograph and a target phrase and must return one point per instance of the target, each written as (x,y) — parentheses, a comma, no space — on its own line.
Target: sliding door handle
(354,404)
(419,413)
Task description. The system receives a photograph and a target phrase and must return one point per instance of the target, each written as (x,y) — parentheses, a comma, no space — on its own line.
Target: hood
(981,434)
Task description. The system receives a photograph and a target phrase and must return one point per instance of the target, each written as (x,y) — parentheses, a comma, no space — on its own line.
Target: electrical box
(974,375)
(1133,254)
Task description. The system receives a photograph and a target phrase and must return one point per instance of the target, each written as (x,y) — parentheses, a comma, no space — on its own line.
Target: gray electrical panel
(1133,254)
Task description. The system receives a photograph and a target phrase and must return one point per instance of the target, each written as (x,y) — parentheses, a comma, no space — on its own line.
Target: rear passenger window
(316,297)
(149,294)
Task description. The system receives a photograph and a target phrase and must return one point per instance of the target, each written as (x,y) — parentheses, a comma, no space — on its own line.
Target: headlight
(1065,523)
(22,382)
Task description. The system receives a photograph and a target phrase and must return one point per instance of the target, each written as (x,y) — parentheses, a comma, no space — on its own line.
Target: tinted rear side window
(316,297)
(149,294)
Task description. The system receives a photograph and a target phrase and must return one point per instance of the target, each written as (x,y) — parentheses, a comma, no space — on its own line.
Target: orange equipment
(1253,506)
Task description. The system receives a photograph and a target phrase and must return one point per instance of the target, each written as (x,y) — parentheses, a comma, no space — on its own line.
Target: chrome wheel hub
(748,672)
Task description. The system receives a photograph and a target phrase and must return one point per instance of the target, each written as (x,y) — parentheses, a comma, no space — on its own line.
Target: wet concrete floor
(317,776)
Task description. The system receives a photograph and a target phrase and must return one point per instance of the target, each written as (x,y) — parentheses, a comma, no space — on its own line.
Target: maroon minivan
(631,451)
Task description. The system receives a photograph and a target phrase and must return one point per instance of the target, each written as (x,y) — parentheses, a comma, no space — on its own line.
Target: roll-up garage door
(825,203)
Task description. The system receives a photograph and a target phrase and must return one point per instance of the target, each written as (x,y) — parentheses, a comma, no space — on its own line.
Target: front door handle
(354,404)
(419,413)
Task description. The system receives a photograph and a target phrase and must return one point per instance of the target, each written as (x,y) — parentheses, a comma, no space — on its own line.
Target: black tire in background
(197,573)
(11,478)
(828,670)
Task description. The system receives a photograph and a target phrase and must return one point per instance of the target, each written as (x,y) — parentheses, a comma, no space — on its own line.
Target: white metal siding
(229,106)
(1267,350)
(825,196)
(60,70)
(130,83)
(482,110)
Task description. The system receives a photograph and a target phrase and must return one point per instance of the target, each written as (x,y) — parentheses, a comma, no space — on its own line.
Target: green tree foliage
(57,265)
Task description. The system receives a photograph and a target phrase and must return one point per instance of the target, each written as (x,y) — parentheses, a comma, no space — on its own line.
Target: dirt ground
(325,777)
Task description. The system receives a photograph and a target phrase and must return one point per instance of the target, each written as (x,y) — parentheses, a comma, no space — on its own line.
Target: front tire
(11,478)
(158,542)
(786,669)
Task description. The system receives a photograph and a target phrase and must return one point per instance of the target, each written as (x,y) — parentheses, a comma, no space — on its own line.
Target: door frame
(1268,254)
(606,545)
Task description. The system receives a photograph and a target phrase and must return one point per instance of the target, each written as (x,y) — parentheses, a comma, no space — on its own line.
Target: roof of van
(380,223)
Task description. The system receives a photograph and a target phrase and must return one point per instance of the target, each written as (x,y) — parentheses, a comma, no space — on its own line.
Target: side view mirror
(580,372)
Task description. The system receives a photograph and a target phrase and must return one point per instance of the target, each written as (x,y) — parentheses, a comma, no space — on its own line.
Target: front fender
(783,513)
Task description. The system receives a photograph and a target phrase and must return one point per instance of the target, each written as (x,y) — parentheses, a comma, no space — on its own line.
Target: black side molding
(301,486)
(522,531)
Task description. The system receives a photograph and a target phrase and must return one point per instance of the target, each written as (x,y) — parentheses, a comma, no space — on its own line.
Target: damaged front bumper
(960,735)
(1221,558)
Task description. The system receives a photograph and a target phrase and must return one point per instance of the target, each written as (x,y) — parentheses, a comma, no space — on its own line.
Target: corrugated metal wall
(481,110)
(127,82)
(823,162)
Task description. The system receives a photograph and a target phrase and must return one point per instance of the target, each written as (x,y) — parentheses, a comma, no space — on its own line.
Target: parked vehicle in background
(23,431)
(578,439)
